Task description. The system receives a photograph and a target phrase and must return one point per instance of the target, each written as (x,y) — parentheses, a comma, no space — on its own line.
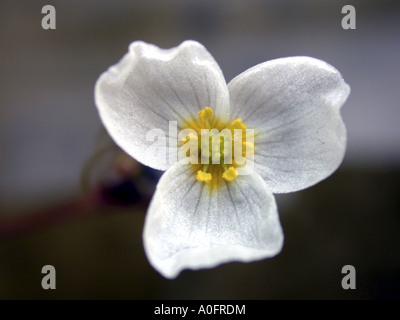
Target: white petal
(294,106)
(150,87)
(187,227)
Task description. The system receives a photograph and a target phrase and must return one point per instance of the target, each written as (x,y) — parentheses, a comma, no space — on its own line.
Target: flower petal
(294,106)
(187,226)
(150,87)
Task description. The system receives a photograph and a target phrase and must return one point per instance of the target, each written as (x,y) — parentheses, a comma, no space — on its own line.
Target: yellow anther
(230,174)
(205,114)
(238,124)
(248,148)
(203,176)
(192,136)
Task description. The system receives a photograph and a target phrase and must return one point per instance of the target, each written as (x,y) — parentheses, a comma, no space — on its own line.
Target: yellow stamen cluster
(217,148)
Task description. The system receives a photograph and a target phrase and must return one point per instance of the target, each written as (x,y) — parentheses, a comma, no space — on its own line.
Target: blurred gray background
(49,130)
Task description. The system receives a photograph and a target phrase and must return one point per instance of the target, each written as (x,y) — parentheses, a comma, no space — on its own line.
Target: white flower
(202,216)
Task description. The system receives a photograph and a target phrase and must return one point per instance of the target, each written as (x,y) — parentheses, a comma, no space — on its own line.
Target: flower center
(219,147)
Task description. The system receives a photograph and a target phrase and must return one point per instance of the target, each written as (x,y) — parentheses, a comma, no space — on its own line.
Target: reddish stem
(27,223)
